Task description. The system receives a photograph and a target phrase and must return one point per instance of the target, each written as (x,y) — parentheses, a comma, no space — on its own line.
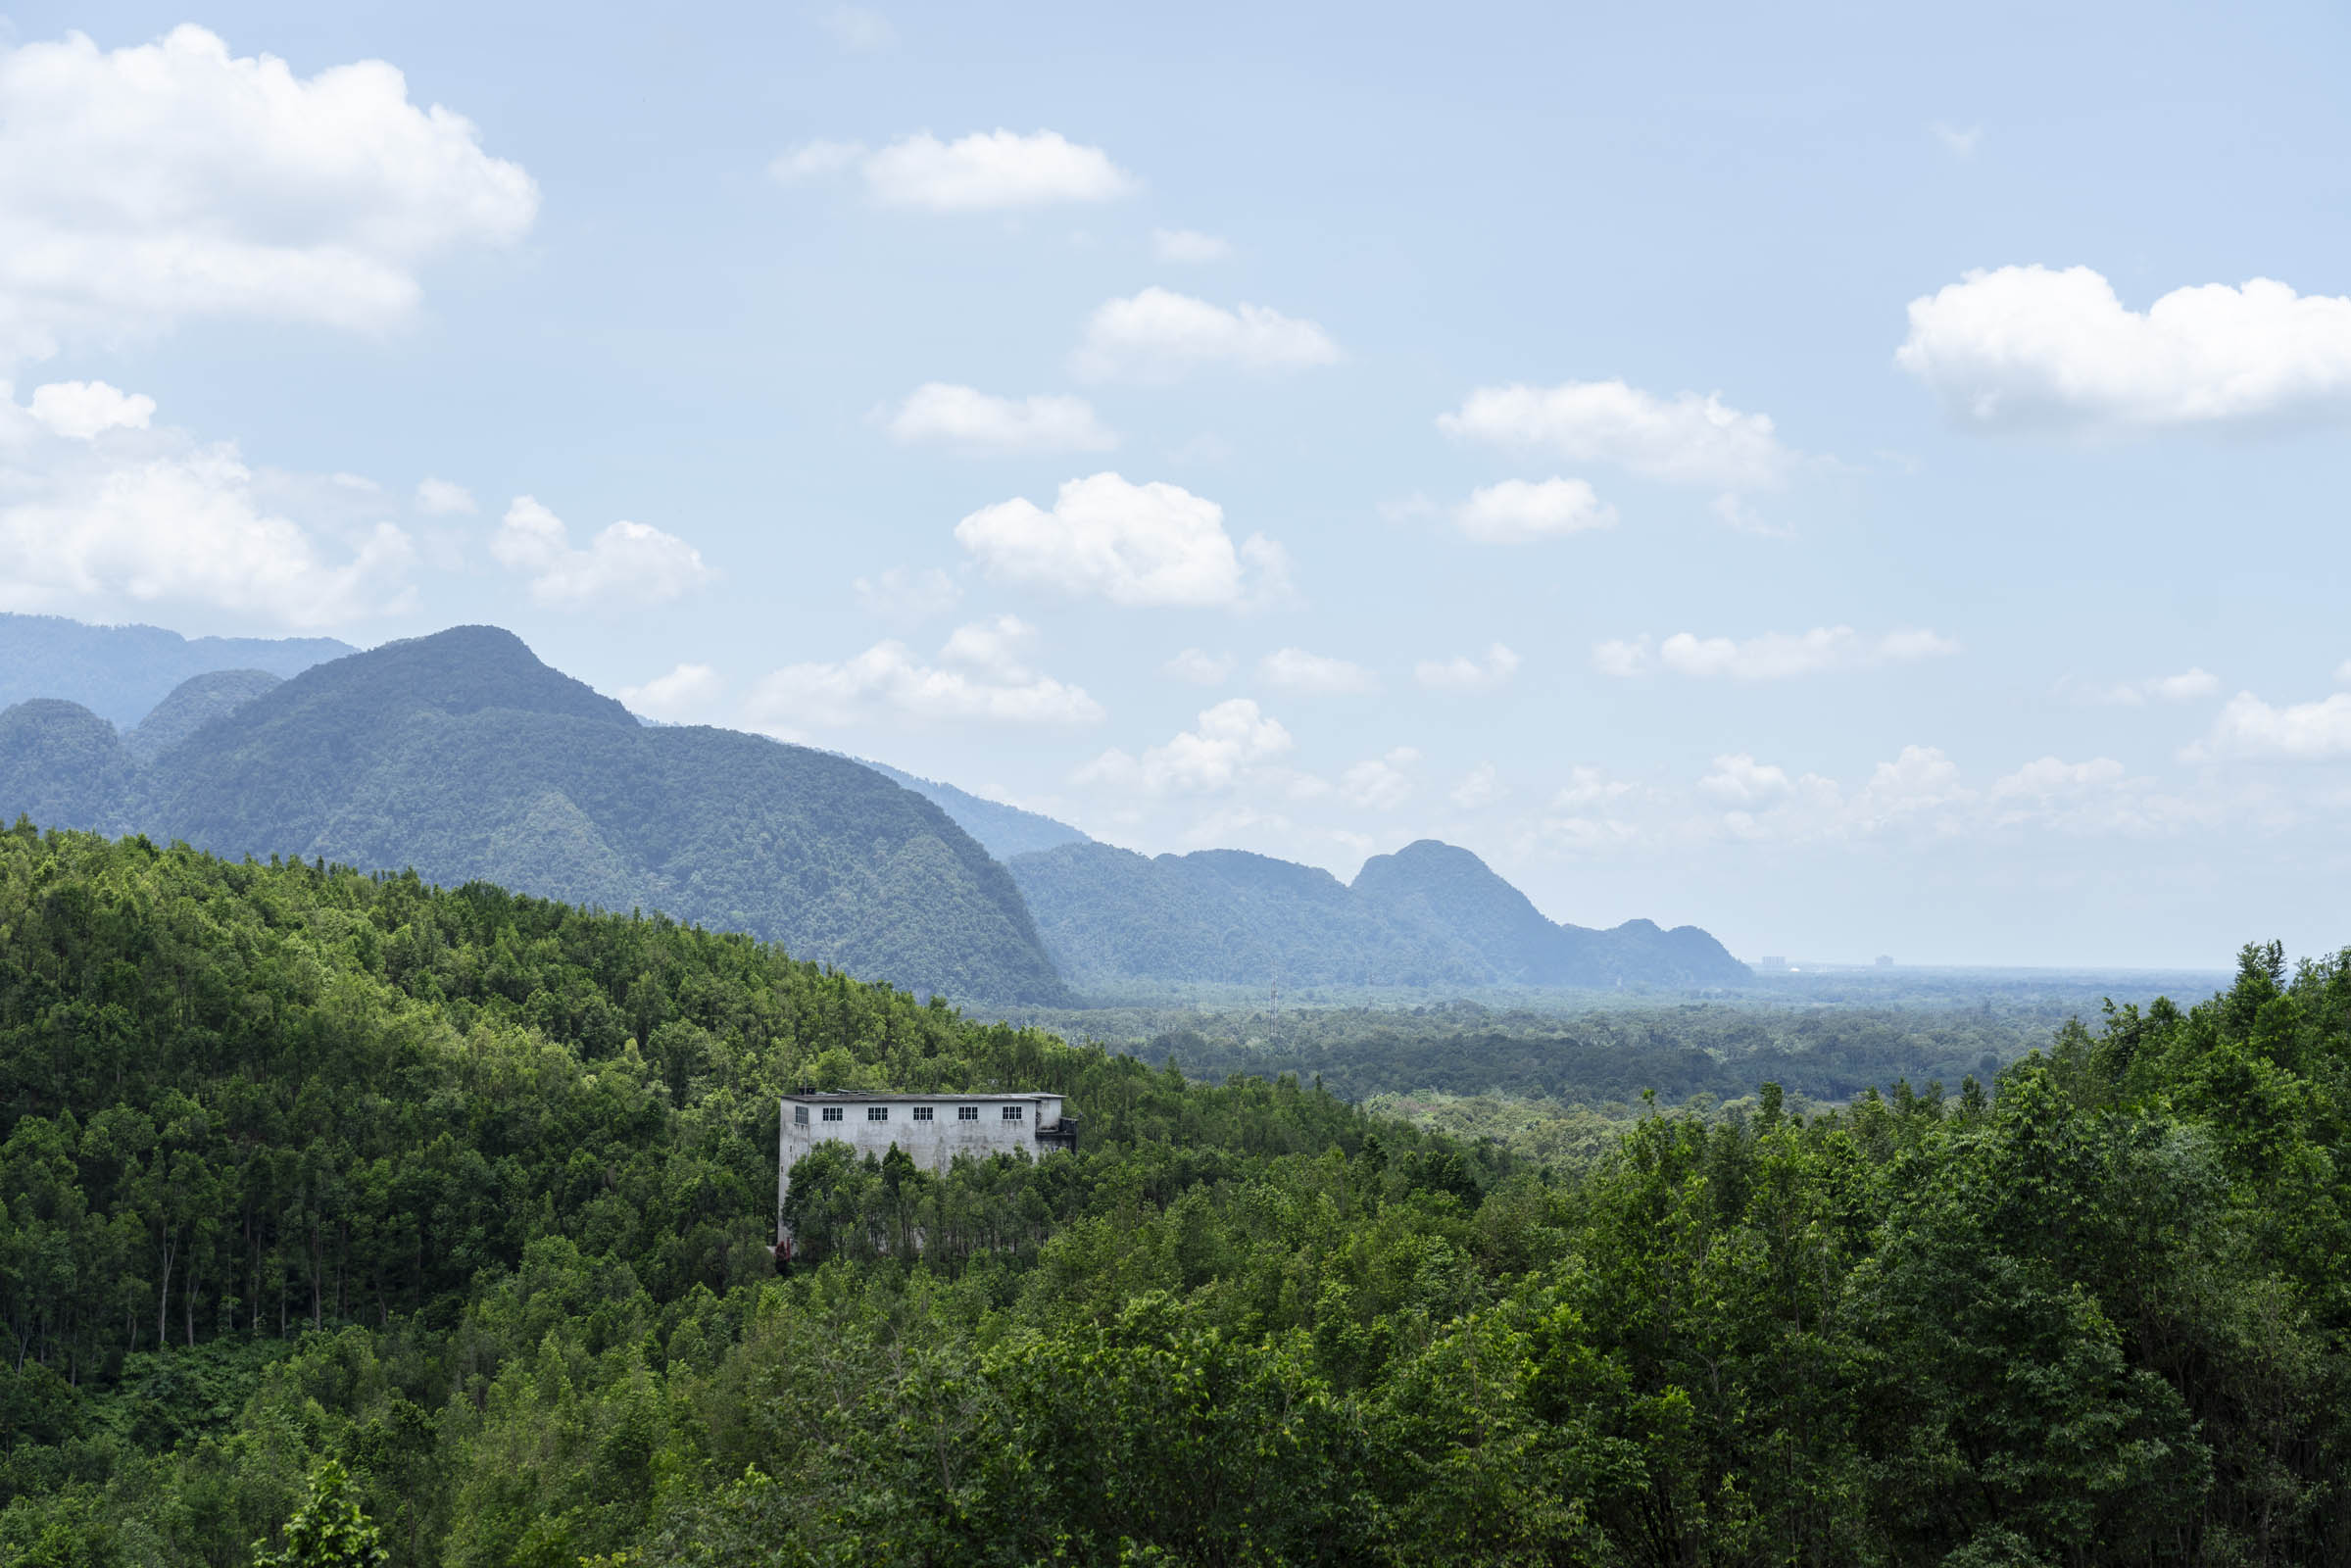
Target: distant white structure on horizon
(1771,966)
(932,1129)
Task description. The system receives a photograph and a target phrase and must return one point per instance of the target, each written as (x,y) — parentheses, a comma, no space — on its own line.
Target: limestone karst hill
(464,757)
(461,755)
(1431,916)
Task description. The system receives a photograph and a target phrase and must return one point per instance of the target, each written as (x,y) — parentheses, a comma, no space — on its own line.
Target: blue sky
(1831,476)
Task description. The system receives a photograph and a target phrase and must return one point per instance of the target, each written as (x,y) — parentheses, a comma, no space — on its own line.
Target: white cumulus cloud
(144,185)
(684,693)
(997,647)
(83,409)
(154,517)
(1773,656)
(995,171)
(1741,779)
(1684,439)
(2034,348)
(1159,335)
(628,562)
(979,423)
(1517,512)
(1229,740)
(1921,793)
(813,160)
(1293,669)
(1132,544)
(2300,732)
(1462,673)
(981,675)
(1917,780)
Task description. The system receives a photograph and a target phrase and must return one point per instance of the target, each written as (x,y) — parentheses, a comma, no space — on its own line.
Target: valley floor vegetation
(338,1205)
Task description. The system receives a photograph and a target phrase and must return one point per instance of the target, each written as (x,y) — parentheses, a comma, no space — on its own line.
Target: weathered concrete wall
(932,1144)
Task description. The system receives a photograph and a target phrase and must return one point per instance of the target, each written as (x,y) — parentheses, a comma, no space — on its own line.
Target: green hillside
(442,1215)
(121,672)
(461,755)
(1431,916)
(193,704)
(64,764)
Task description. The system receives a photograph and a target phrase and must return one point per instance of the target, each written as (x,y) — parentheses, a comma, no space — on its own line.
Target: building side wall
(932,1144)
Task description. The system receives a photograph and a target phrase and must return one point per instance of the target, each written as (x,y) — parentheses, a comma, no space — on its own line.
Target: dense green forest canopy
(1587,1056)
(339,1200)
(1558,1083)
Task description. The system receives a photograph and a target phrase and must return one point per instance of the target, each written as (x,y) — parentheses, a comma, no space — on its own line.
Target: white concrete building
(933,1129)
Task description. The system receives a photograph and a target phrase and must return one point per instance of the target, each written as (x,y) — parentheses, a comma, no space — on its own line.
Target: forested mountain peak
(464,669)
(1249,872)
(193,704)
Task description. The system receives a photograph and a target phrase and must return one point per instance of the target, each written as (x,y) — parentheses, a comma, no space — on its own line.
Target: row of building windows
(800,1113)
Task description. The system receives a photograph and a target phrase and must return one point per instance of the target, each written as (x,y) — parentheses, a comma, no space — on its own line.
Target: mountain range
(461,755)
(1431,916)
(121,672)
(464,757)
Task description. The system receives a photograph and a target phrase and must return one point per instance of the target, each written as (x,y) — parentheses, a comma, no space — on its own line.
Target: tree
(327,1531)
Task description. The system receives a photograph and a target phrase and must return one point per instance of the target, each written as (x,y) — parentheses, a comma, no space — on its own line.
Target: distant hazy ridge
(1004,831)
(1429,916)
(121,672)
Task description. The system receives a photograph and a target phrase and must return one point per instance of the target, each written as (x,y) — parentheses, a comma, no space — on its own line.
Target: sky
(1861,479)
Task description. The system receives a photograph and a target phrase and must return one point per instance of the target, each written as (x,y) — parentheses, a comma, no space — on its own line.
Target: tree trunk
(163,1300)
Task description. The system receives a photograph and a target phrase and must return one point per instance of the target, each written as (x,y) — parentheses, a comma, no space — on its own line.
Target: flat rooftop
(816,1095)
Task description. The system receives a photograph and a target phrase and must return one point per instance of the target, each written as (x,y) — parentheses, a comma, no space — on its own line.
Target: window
(877,1113)
(832,1114)
(799,1114)
(967,1114)
(1015,1112)
(923,1113)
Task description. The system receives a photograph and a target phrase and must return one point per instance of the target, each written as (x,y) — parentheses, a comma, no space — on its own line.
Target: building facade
(932,1129)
